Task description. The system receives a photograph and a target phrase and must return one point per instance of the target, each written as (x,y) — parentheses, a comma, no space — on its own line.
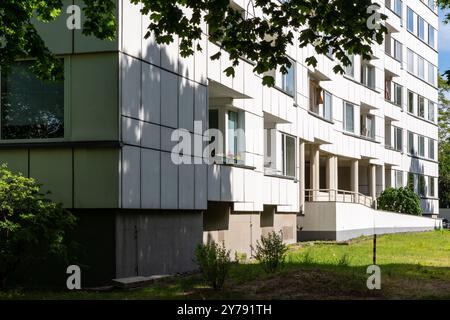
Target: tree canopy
(444,144)
(337,26)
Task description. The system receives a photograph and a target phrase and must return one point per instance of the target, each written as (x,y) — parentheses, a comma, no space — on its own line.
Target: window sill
(274,175)
(422,158)
(394,104)
(393,149)
(420,118)
(349,78)
(423,80)
(320,117)
(284,91)
(236,165)
(360,137)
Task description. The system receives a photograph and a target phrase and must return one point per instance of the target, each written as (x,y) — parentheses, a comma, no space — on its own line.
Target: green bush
(270,252)
(31,226)
(214,262)
(401,200)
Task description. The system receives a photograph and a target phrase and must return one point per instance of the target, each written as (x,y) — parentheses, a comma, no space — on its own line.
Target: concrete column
(314,172)
(332,172)
(373,181)
(314,167)
(336,172)
(354,175)
(383,178)
(301,175)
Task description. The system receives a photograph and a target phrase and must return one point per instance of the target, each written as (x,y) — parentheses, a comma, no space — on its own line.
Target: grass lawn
(413,266)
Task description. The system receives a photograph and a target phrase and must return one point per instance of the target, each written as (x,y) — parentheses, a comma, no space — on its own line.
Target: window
(398,51)
(328,106)
(398,179)
(411,149)
(431,36)
(368,126)
(349,117)
(350,69)
(421,67)
(421,146)
(411,182)
(398,7)
(232,135)
(410,20)
(431,149)
(398,138)
(288,84)
(422,191)
(431,73)
(315,97)
(411,102)
(368,75)
(213,124)
(421,28)
(288,151)
(431,4)
(30,107)
(431,111)
(431,190)
(421,107)
(398,94)
(411,61)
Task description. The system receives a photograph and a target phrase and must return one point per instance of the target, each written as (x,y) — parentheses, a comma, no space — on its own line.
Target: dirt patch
(317,284)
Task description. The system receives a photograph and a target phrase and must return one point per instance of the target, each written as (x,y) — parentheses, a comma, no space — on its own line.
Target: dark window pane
(30,108)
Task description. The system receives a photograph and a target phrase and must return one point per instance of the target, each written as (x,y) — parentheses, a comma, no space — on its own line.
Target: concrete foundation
(156,242)
(239,231)
(343,221)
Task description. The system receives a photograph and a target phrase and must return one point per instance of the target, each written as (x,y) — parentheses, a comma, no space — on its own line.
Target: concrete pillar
(383,178)
(301,175)
(332,172)
(336,172)
(314,167)
(373,181)
(314,172)
(354,175)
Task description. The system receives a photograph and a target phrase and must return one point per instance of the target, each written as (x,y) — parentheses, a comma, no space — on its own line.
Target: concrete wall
(344,221)
(444,213)
(149,243)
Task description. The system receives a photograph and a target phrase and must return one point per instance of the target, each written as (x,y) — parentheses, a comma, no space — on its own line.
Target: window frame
(67,108)
(346,103)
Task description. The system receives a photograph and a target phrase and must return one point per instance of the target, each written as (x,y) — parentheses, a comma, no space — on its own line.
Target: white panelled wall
(351,119)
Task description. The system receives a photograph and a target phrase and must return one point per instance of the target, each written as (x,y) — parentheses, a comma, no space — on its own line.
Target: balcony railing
(334,195)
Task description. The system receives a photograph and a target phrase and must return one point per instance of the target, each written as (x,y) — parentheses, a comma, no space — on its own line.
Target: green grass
(413,266)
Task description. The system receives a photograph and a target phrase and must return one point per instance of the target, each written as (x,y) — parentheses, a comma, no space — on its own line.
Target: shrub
(31,226)
(214,262)
(344,260)
(401,200)
(270,252)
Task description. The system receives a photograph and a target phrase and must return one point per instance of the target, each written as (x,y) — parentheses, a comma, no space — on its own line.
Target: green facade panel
(94,97)
(16,159)
(53,168)
(96,178)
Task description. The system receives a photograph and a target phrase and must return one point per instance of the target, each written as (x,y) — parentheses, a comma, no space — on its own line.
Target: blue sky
(444,44)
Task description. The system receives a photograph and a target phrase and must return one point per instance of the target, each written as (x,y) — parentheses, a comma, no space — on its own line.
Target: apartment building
(106,139)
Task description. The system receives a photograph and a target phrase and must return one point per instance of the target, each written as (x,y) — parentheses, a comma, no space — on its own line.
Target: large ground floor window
(30,108)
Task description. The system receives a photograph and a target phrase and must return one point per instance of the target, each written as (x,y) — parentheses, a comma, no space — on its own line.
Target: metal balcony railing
(335,195)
